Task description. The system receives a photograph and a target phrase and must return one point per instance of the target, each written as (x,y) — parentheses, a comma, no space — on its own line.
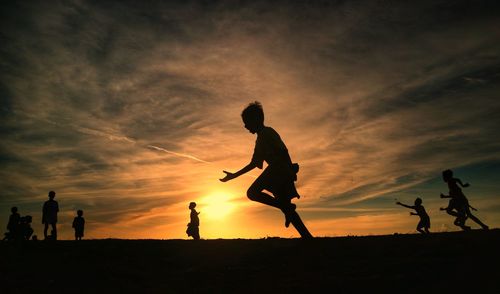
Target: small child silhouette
(425,221)
(49,215)
(458,205)
(280,174)
(193,226)
(79,225)
(13,224)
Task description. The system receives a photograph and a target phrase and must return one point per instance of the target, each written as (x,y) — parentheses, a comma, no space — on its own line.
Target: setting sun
(217,205)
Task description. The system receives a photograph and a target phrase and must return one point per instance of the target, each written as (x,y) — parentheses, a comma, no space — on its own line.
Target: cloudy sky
(130,110)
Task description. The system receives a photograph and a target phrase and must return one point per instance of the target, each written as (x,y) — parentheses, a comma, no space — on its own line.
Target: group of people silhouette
(19,228)
(281,173)
(278,179)
(458,206)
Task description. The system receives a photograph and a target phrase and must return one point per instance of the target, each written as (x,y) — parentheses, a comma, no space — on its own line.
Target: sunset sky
(130,110)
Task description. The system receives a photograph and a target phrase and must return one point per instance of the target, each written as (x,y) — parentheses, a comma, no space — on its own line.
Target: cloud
(129,101)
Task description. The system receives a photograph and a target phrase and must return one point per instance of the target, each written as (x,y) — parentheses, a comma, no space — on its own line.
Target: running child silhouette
(425,222)
(280,173)
(458,205)
(49,215)
(193,229)
(79,225)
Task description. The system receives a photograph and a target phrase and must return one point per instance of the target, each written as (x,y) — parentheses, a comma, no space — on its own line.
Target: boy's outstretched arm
(230,176)
(407,206)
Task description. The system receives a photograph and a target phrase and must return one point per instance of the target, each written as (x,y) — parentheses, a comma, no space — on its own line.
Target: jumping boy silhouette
(194,224)
(49,215)
(280,174)
(79,225)
(458,201)
(425,221)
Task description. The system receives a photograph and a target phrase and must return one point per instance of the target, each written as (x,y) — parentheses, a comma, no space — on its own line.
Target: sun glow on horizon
(217,205)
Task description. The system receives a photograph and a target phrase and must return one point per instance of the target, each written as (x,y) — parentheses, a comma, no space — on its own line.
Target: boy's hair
(52,194)
(79,212)
(418,201)
(13,209)
(253,111)
(192,204)
(447,173)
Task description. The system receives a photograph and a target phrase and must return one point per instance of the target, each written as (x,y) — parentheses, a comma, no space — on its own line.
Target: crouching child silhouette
(193,228)
(425,222)
(279,175)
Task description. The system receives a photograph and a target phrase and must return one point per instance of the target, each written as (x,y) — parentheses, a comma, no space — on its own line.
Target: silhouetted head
(192,205)
(253,117)
(29,219)
(79,212)
(418,202)
(13,209)
(52,194)
(22,219)
(447,175)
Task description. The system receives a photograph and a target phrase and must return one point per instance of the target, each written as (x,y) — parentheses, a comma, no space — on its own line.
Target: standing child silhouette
(280,174)
(13,224)
(425,221)
(49,215)
(79,225)
(193,228)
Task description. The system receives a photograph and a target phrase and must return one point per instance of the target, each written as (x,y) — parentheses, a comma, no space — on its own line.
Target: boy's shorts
(279,180)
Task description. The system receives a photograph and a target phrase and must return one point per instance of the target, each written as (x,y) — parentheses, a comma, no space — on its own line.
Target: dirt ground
(456,262)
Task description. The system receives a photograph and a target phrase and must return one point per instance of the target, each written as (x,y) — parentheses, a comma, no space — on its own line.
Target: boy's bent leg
(255,193)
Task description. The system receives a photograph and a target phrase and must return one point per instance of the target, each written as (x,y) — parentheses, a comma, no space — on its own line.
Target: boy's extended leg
(299,225)
(475,219)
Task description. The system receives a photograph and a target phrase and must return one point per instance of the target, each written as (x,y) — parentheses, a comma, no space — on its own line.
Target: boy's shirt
(13,221)
(78,222)
(50,210)
(195,220)
(270,148)
(421,211)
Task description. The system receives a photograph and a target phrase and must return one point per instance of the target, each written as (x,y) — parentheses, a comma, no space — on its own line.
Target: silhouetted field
(443,262)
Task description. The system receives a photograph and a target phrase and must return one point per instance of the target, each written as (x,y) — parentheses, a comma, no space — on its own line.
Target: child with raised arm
(425,221)
(193,228)
(280,173)
(79,225)
(458,201)
(49,215)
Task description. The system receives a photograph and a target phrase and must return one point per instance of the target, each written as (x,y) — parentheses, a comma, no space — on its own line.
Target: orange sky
(130,112)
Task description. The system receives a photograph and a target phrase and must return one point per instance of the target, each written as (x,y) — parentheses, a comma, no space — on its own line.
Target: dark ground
(438,263)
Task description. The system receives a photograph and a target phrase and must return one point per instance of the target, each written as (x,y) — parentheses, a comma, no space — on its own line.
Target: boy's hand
(229,176)
(466,185)
(398,203)
(441,195)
